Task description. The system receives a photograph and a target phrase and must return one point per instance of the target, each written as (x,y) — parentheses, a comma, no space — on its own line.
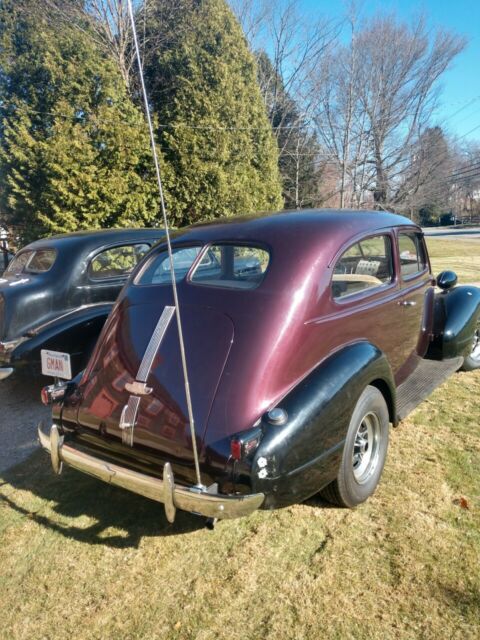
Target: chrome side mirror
(447,280)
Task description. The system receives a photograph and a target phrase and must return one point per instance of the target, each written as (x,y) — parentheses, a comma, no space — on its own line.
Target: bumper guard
(193,499)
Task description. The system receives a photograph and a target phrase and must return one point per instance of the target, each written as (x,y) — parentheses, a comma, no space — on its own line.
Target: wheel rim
(366,448)
(475,354)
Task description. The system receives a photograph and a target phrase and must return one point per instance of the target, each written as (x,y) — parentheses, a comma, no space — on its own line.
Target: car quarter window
(232,266)
(116,261)
(412,254)
(366,265)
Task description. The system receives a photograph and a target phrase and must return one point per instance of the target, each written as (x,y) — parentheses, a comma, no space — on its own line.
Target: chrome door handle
(407,303)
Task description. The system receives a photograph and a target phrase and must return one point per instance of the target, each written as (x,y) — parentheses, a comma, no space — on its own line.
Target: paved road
(457,233)
(20,412)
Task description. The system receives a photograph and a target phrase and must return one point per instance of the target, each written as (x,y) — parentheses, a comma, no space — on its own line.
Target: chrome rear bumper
(193,499)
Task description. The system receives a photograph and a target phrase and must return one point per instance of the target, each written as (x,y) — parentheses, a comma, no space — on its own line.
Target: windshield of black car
(221,265)
(17,265)
(39,261)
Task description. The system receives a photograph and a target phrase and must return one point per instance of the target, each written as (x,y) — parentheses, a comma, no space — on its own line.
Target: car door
(416,302)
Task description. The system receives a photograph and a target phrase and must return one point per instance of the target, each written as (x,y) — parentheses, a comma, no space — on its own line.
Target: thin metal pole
(169,246)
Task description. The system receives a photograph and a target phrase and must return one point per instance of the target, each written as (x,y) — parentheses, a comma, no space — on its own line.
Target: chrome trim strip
(41,327)
(191,499)
(154,344)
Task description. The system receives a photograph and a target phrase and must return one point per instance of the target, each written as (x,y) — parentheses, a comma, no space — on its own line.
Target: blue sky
(461,84)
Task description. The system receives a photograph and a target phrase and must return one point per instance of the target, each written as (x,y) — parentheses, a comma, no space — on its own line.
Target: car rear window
(232,266)
(366,265)
(222,265)
(158,271)
(41,261)
(117,261)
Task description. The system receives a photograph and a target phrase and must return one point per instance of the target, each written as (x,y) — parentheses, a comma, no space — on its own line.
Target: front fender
(296,460)
(457,312)
(72,332)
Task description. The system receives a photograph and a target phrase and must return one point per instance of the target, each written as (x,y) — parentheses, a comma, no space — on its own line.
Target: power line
(465,170)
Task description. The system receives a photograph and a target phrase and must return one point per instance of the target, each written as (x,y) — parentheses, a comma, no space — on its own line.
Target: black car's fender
(296,460)
(456,316)
(74,332)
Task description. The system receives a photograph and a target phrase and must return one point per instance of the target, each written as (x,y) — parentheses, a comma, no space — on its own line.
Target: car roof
(302,225)
(86,240)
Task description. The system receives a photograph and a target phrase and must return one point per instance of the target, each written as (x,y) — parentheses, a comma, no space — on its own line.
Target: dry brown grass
(82,559)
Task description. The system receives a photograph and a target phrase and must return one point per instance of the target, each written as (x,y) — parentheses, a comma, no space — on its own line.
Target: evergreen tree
(221,157)
(74,150)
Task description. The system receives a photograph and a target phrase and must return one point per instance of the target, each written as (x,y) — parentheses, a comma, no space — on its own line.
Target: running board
(429,375)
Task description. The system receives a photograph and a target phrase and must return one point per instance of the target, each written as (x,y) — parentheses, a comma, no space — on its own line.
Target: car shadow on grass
(87,509)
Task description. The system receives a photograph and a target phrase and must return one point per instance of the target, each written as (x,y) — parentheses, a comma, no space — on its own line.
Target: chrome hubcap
(366,448)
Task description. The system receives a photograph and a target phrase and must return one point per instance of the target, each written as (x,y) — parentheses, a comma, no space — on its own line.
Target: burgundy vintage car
(306,334)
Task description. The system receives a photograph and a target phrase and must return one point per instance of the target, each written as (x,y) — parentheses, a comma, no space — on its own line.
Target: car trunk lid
(136,376)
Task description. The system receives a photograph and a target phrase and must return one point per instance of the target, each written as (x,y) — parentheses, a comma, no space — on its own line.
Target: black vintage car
(57,292)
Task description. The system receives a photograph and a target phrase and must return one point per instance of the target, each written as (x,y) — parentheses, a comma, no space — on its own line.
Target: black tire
(472,361)
(363,457)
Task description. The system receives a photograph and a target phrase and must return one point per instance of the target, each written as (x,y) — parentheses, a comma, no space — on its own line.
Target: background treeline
(255,108)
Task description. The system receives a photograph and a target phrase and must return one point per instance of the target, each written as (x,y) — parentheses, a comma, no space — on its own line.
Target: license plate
(56,364)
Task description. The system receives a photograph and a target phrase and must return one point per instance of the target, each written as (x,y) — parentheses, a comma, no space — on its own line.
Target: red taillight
(45,396)
(236,449)
(245,444)
(53,393)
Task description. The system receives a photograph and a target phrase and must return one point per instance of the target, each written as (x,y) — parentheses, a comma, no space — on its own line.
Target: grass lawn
(461,256)
(82,559)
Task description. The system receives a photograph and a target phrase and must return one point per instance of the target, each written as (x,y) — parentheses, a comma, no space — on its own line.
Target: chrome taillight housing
(54,392)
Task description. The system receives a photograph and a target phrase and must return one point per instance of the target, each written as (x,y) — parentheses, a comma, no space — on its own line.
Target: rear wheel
(472,361)
(364,452)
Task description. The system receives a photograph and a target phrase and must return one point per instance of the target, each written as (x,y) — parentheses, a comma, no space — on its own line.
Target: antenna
(169,246)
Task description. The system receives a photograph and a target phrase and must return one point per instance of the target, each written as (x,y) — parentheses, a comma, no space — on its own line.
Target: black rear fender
(74,333)
(457,312)
(296,460)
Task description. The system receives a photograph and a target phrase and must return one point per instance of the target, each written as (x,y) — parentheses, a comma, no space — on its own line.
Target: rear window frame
(187,245)
(203,249)
(235,243)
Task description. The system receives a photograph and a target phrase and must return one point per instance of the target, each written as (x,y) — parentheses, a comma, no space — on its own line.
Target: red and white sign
(56,364)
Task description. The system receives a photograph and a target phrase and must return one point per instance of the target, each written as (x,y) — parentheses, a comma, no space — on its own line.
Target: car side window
(366,265)
(117,261)
(412,254)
